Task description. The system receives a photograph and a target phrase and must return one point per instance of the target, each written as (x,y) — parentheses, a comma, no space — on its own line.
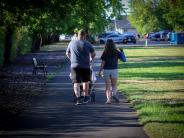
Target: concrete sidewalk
(54,114)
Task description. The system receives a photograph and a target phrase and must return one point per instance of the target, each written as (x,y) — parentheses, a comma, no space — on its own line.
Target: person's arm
(93,54)
(68,52)
(101,68)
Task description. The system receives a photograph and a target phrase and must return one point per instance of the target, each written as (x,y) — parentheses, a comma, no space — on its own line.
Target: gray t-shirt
(80,53)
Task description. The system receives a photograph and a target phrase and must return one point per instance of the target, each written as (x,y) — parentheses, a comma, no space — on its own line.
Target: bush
(22,42)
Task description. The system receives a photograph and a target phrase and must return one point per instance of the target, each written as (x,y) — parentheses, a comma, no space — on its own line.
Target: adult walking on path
(79,52)
(54,115)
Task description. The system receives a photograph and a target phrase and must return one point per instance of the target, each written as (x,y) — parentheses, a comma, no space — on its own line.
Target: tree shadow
(158,76)
(161,63)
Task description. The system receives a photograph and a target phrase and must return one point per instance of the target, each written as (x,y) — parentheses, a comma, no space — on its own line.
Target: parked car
(104,35)
(128,39)
(64,37)
(159,36)
(155,36)
(108,33)
(169,36)
(149,35)
(163,36)
(115,37)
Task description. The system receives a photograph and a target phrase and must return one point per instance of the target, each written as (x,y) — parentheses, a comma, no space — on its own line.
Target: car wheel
(124,42)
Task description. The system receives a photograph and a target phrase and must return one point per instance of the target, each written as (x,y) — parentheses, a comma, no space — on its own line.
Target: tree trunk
(8,46)
(37,42)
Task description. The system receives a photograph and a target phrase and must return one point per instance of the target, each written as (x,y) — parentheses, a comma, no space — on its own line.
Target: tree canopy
(155,15)
(57,15)
(45,18)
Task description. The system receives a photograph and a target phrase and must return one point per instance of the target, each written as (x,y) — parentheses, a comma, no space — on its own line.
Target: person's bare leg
(86,93)
(114,85)
(114,89)
(85,88)
(108,90)
(77,93)
(76,88)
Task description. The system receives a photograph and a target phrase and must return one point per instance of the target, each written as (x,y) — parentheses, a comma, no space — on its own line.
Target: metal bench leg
(34,71)
(45,72)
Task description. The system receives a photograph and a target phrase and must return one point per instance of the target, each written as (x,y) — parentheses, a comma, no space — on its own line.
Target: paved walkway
(54,114)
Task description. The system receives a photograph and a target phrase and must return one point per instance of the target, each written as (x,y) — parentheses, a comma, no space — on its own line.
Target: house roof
(124,23)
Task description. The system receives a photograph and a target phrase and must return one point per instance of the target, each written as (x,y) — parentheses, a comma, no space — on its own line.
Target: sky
(125,2)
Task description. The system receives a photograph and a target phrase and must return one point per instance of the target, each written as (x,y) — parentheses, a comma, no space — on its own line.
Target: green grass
(153,81)
(169,130)
(55,47)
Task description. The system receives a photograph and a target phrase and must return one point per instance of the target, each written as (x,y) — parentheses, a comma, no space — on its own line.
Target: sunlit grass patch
(154,51)
(154,89)
(163,111)
(165,130)
(152,70)
(165,96)
(55,47)
(153,81)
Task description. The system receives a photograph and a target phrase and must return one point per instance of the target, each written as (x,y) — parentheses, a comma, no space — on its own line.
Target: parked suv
(159,36)
(115,37)
(128,39)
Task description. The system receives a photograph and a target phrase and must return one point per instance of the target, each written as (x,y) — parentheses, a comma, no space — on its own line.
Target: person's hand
(100,74)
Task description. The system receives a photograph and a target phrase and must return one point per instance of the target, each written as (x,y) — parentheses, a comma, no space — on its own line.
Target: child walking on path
(109,65)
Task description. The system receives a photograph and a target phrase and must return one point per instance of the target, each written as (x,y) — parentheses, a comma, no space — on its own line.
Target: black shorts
(79,75)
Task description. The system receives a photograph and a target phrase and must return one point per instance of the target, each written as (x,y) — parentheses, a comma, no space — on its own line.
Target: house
(122,26)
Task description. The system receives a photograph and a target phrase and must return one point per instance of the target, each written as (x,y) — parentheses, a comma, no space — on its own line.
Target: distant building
(122,26)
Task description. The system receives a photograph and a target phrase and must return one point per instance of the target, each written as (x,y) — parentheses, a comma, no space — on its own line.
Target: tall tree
(13,15)
(31,13)
(47,17)
(175,16)
(94,14)
(155,15)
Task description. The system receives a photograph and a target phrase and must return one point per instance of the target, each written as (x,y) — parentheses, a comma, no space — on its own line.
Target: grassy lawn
(55,47)
(153,81)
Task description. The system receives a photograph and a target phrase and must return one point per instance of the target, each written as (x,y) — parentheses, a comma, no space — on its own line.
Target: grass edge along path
(153,81)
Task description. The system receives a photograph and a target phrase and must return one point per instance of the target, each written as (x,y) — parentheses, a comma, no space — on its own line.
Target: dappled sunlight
(153,81)
(55,47)
(166,96)
(157,58)
(155,51)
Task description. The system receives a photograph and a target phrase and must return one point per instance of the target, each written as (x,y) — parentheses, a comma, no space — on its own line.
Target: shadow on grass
(139,104)
(158,76)
(158,58)
(169,112)
(150,62)
(153,63)
(152,47)
(177,122)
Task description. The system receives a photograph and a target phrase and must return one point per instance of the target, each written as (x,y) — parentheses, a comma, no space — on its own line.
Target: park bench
(37,67)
